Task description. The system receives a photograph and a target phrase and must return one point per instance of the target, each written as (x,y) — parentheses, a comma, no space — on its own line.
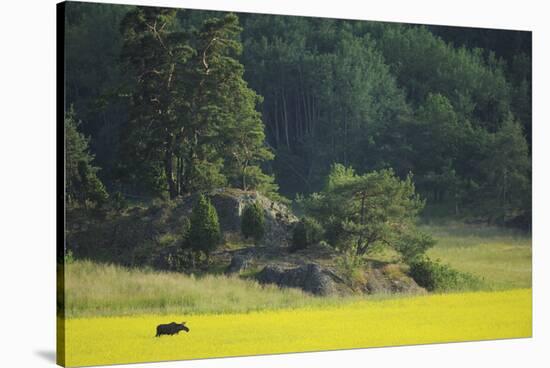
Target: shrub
(435,276)
(204,231)
(184,232)
(306,232)
(413,245)
(118,202)
(166,240)
(68,257)
(368,210)
(90,187)
(253,222)
(350,266)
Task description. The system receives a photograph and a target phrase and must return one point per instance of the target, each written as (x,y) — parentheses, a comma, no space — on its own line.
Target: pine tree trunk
(286,121)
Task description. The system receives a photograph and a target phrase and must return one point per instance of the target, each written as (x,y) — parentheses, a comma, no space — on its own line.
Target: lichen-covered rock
(311,278)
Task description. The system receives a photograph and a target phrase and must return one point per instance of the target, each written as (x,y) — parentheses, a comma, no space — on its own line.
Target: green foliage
(82,184)
(93,75)
(119,202)
(253,222)
(68,257)
(506,189)
(185,231)
(183,112)
(413,246)
(365,212)
(192,113)
(306,232)
(204,231)
(435,276)
(351,267)
(341,97)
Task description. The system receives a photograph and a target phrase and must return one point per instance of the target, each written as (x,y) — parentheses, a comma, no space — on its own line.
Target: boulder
(239,262)
(381,280)
(311,278)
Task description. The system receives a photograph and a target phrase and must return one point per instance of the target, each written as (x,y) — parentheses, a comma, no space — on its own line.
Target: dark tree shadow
(48,355)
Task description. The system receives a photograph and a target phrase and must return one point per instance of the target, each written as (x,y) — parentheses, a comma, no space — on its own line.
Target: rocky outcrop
(279,220)
(389,280)
(311,278)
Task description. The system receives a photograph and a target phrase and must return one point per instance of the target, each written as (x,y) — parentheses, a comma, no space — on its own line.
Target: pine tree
(253,222)
(204,232)
(81,182)
(192,114)
(156,56)
(364,212)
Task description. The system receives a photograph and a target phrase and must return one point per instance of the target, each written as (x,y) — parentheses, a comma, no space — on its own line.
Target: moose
(171,328)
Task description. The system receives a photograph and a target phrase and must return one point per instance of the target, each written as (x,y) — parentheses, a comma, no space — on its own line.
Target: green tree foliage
(506,191)
(82,186)
(93,76)
(425,64)
(365,212)
(118,202)
(329,97)
(306,232)
(435,276)
(434,101)
(193,115)
(439,138)
(253,222)
(204,228)
(153,53)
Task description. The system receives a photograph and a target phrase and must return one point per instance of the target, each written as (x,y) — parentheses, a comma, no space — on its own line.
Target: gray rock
(230,203)
(229,211)
(311,278)
(379,282)
(239,262)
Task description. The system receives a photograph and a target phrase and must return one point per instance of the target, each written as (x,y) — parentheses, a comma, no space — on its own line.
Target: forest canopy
(172,101)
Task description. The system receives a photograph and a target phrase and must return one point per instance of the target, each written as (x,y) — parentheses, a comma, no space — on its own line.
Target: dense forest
(166,102)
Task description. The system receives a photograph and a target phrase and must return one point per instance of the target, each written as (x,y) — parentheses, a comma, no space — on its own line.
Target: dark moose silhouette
(171,328)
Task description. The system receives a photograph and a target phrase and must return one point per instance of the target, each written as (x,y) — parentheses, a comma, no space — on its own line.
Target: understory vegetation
(498,260)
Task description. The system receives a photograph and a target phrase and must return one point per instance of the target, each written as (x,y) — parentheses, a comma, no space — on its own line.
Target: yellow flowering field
(399,321)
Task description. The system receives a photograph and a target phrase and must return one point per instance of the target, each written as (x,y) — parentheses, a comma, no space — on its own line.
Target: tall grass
(94,289)
(502,258)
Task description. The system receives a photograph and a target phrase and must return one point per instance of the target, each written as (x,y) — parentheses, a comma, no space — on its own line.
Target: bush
(68,257)
(119,202)
(412,246)
(91,189)
(204,231)
(435,276)
(350,266)
(306,232)
(253,222)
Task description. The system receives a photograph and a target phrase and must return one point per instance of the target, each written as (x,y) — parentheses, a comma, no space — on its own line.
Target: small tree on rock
(204,231)
(253,222)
